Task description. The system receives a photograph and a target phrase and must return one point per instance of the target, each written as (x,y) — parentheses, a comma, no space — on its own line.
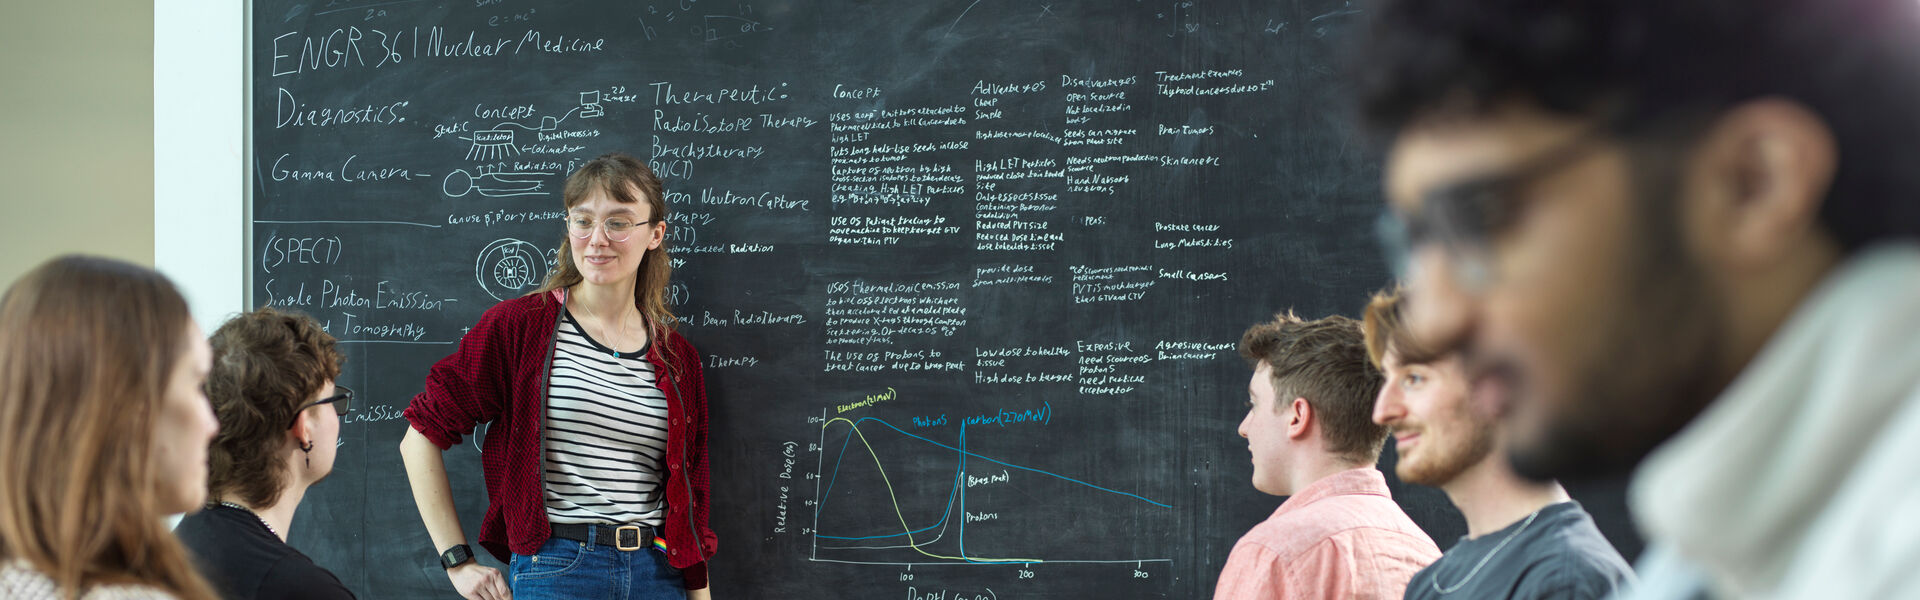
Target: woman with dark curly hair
(272,385)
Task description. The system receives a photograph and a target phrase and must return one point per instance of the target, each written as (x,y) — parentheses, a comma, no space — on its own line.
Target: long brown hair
(618,176)
(87,346)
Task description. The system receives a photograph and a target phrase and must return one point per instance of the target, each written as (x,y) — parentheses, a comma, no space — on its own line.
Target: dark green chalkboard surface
(967,275)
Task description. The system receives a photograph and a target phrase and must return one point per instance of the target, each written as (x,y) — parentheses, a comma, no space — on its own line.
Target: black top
(245,561)
(1558,553)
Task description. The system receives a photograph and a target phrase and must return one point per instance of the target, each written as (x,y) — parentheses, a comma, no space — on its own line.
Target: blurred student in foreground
(103,432)
(1525,539)
(1339,534)
(1678,237)
(272,385)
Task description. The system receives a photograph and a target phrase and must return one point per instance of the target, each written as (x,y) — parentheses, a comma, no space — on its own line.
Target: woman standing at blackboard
(596,459)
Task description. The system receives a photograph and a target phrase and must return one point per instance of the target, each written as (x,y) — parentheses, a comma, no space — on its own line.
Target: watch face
(455,555)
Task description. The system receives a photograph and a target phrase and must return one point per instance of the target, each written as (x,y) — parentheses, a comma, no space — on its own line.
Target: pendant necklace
(249,511)
(613,347)
(1435,582)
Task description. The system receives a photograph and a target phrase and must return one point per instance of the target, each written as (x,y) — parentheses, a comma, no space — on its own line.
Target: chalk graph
(888,496)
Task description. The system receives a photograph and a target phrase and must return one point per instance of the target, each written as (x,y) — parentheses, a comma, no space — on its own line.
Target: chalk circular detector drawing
(509,267)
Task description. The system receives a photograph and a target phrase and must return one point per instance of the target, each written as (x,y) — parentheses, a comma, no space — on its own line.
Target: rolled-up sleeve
(468,387)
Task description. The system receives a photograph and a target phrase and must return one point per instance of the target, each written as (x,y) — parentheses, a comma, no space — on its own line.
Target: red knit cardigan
(498,375)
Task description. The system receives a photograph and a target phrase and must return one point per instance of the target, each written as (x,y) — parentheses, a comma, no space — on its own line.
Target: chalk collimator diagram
(869,513)
(498,143)
(490,145)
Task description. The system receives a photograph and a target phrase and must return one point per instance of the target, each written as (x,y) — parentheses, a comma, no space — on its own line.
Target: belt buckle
(620,538)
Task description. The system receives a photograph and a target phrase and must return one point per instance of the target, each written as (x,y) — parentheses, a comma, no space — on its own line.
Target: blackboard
(968,275)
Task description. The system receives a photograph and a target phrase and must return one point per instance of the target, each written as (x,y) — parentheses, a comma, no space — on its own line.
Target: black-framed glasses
(618,228)
(1462,218)
(342,401)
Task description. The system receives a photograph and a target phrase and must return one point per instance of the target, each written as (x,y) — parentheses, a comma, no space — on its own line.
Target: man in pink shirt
(1309,427)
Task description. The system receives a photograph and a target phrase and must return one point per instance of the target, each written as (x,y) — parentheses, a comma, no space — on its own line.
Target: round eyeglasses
(619,229)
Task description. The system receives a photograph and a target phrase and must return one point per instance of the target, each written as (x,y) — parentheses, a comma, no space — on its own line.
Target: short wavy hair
(1324,361)
(266,363)
(1384,324)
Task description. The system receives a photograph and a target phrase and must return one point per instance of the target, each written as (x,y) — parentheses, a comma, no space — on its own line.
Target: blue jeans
(567,569)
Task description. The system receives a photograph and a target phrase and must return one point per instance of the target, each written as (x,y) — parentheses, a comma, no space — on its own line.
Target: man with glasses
(1525,539)
(272,388)
(1677,237)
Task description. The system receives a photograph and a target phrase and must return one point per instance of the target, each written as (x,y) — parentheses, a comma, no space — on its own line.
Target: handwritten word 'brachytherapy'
(694,151)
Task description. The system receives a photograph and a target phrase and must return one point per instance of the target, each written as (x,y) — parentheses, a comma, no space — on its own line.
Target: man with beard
(1677,237)
(1525,538)
(1339,533)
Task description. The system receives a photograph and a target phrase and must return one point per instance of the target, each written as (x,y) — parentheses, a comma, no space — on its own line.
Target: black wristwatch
(456,555)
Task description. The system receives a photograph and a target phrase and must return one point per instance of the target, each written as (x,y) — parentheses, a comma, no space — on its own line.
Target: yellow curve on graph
(891,496)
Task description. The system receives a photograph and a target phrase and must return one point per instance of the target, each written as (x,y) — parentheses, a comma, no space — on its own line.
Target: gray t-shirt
(1556,553)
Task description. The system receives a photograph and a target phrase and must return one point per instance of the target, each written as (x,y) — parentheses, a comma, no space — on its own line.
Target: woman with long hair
(103,432)
(596,458)
(272,385)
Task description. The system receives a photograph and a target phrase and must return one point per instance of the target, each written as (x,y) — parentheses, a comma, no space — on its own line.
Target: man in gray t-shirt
(1525,539)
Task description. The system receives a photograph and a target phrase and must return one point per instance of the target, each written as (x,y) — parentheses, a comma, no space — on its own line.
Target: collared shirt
(1341,537)
(499,375)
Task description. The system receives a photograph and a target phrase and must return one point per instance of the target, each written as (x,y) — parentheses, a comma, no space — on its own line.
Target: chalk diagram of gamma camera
(509,267)
(493,184)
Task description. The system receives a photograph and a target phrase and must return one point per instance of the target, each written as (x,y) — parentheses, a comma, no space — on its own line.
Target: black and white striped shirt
(606,433)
